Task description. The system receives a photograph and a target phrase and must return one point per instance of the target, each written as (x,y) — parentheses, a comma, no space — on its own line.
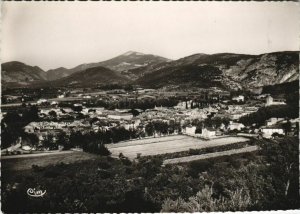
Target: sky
(66,34)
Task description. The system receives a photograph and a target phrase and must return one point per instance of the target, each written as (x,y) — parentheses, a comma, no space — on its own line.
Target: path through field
(209,155)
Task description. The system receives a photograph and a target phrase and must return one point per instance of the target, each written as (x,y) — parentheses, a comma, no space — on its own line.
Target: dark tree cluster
(265,180)
(13,123)
(265,113)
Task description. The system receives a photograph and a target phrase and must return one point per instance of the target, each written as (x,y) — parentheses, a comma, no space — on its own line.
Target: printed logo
(35,193)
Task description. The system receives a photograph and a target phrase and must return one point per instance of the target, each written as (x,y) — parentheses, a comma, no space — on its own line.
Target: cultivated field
(22,162)
(210,155)
(169,144)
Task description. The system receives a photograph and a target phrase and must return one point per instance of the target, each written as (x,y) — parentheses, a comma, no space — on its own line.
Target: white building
(239,98)
(190,130)
(271,101)
(237,126)
(273,121)
(208,133)
(41,101)
(267,132)
(123,116)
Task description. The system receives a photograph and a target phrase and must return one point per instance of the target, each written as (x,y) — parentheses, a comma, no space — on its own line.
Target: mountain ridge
(238,71)
(123,62)
(227,70)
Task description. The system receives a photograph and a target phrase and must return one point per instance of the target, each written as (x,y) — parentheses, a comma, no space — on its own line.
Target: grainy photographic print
(149,107)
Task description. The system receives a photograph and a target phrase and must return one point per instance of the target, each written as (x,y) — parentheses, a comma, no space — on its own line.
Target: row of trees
(108,103)
(161,127)
(215,122)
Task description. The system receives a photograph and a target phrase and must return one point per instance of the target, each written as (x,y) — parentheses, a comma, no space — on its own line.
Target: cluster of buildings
(206,104)
(96,119)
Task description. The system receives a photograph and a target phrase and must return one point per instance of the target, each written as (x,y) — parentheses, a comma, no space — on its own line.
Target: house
(41,101)
(237,126)
(271,101)
(273,121)
(54,103)
(268,131)
(190,130)
(239,98)
(120,116)
(208,133)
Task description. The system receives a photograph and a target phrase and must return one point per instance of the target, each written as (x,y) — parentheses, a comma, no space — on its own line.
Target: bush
(104,165)
(97,148)
(203,201)
(193,152)
(104,174)
(52,172)
(102,150)
(197,167)
(126,161)
(36,168)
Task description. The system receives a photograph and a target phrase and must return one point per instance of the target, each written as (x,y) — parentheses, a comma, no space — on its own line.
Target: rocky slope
(236,71)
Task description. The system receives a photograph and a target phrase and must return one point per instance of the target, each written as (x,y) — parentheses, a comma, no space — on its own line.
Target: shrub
(52,172)
(104,174)
(203,201)
(197,167)
(104,165)
(36,168)
(126,161)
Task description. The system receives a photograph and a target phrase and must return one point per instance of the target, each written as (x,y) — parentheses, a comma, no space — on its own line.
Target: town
(125,114)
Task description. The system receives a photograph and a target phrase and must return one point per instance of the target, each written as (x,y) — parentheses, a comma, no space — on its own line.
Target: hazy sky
(55,34)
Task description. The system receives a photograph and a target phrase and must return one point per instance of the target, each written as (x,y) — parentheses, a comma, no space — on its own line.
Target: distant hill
(235,71)
(91,77)
(122,63)
(21,74)
(58,73)
(189,75)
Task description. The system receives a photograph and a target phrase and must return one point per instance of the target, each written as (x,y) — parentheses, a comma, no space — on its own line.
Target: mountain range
(124,62)
(225,70)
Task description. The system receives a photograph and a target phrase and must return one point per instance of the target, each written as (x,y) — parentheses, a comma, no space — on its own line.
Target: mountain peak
(132,53)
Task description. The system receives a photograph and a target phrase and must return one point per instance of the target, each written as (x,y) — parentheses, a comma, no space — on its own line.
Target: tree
(31,114)
(63,140)
(53,114)
(287,127)
(282,156)
(149,129)
(34,140)
(50,143)
(11,129)
(77,139)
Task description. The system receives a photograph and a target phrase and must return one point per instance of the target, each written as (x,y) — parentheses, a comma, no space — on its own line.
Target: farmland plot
(170,144)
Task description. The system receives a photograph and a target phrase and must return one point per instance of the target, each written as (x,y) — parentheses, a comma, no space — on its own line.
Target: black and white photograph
(149,107)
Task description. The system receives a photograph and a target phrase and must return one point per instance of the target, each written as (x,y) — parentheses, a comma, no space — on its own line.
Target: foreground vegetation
(264,180)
